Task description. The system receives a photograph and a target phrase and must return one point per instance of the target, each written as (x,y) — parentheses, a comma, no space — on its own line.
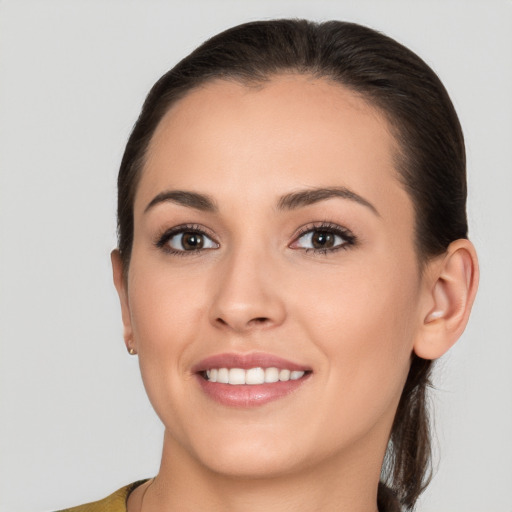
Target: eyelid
(327,226)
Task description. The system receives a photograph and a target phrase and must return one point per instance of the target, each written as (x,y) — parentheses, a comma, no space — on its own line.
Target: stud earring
(131,351)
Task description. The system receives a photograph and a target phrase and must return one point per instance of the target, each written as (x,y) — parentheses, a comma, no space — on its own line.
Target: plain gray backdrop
(74,421)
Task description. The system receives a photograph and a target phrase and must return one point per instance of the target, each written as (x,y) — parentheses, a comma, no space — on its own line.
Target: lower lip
(249,395)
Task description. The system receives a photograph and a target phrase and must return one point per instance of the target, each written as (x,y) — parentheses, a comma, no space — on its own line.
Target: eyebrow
(291,201)
(184,198)
(307,197)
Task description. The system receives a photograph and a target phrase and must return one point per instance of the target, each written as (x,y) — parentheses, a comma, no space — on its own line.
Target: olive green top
(114,503)
(117,502)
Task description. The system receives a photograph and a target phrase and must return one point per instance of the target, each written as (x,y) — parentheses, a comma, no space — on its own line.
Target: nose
(247,293)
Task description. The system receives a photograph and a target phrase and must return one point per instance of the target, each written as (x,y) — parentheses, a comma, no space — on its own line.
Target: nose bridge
(247,294)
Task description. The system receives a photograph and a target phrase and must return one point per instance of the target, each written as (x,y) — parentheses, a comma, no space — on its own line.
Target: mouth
(239,380)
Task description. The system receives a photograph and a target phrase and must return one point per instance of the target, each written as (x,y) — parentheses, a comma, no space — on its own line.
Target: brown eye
(322,239)
(191,241)
(186,241)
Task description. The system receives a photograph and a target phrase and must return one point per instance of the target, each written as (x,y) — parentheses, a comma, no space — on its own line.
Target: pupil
(322,239)
(192,241)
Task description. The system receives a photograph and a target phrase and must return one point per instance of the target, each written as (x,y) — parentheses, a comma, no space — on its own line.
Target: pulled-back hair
(430,163)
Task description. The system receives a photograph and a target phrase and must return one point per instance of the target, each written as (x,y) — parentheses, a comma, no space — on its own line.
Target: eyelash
(328,227)
(163,239)
(349,238)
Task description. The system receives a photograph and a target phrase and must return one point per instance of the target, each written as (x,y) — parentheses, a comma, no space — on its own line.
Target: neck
(342,483)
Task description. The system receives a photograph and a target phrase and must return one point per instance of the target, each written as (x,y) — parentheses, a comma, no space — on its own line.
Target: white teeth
(284,375)
(271,375)
(223,375)
(236,376)
(255,376)
(239,376)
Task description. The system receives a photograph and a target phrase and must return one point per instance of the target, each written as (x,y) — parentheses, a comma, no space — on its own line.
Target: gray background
(75,424)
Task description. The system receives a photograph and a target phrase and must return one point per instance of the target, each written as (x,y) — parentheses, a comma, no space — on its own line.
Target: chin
(250,456)
(251,466)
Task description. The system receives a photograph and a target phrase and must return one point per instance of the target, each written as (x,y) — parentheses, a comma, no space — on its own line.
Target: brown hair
(430,164)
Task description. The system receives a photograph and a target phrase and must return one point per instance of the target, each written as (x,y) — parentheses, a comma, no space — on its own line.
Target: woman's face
(271,231)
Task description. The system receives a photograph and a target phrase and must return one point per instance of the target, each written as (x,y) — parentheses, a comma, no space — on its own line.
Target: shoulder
(115,502)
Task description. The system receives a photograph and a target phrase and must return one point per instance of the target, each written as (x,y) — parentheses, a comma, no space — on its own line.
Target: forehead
(292,131)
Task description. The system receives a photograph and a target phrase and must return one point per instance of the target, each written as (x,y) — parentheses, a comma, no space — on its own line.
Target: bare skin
(352,310)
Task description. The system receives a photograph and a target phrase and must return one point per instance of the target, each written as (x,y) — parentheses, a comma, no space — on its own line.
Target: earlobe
(452,291)
(120,284)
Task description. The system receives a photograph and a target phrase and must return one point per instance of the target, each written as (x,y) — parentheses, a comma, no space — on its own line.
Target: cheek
(363,323)
(365,305)
(167,310)
(165,306)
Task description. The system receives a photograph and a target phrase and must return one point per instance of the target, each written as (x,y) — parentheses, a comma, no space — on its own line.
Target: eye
(324,238)
(190,241)
(182,239)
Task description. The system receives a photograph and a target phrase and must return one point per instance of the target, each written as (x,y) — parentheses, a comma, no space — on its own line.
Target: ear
(451,289)
(121,287)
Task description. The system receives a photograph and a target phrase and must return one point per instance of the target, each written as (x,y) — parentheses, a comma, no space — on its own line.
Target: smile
(249,380)
(251,376)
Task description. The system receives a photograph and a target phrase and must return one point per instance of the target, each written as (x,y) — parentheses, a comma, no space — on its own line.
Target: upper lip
(246,361)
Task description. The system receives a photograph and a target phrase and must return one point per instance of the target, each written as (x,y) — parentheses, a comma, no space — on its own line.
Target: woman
(292,257)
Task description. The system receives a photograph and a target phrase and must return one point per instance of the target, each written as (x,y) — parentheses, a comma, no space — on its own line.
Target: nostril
(261,320)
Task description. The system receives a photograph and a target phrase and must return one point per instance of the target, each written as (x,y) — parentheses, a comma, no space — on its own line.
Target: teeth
(223,375)
(284,375)
(254,376)
(239,376)
(236,376)
(271,375)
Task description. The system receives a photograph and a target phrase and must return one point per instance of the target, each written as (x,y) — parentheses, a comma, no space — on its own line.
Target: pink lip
(246,361)
(245,396)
